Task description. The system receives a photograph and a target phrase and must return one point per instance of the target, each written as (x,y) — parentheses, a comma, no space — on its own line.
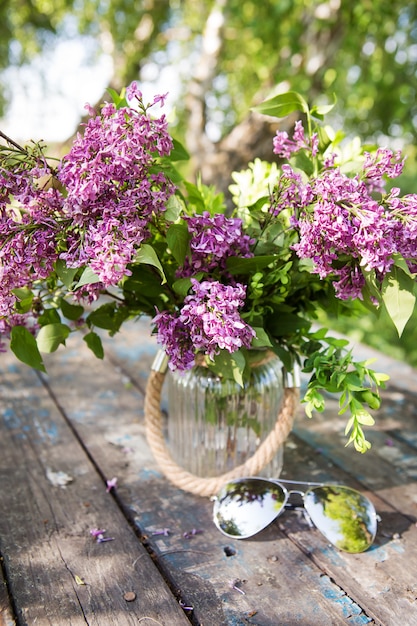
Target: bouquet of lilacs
(112,231)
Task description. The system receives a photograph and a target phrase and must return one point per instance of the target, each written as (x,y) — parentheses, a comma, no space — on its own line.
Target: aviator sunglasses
(245,506)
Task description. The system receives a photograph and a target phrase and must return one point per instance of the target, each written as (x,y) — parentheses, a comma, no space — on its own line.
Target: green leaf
(401,263)
(178,153)
(238,265)
(398,297)
(304,163)
(119,100)
(146,254)
(23,345)
(71,311)
(349,425)
(324,139)
(23,293)
(49,316)
(25,299)
(360,414)
(372,285)
(174,208)
(320,110)
(283,324)
(262,339)
(282,105)
(93,341)
(88,277)
(65,274)
(238,366)
(353,382)
(229,365)
(314,401)
(380,378)
(51,336)
(178,239)
(365,418)
(168,169)
(195,196)
(182,286)
(107,316)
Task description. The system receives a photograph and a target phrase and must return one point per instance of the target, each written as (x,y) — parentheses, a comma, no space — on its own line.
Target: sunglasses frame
(286,505)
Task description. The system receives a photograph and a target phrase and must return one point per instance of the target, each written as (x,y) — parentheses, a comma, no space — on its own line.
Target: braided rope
(209,486)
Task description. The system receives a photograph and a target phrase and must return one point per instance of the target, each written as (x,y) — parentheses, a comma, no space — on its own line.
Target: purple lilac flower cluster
(111,193)
(28,235)
(284,147)
(339,218)
(291,192)
(94,210)
(209,321)
(213,241)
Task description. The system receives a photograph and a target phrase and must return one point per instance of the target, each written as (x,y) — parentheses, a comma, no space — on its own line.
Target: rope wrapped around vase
(196,484)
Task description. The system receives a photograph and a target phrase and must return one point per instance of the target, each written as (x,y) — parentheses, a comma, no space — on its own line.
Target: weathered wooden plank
(313,579)
(56,571)
(281,582)
(6,612)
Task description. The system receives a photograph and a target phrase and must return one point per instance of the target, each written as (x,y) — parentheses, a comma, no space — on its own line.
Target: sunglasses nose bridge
(296,492)
(295,499)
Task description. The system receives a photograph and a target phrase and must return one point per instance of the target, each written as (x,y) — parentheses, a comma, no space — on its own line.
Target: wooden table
(65,434)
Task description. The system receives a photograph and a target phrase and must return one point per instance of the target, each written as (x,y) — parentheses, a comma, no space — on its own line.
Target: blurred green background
(217,59)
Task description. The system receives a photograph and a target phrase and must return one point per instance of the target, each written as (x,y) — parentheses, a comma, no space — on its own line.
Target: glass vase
(214,424)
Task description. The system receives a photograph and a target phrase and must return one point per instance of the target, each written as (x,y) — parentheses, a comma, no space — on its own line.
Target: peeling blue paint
(378,553)
(398,547)
(79,416)
(333,556)
(11,420)
(52,432)
(108,393)
(233,619)
(146,474)
(350,609)
(13,368)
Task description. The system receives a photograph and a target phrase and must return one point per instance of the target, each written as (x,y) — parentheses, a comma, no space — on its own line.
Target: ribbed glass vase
(214,424)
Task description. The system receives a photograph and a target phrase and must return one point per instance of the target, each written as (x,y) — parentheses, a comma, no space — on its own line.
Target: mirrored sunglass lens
(247,506)
(344,516)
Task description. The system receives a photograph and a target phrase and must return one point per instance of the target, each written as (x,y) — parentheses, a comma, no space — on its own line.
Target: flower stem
(11,142)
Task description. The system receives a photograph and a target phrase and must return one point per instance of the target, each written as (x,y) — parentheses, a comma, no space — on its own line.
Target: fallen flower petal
(98,534)
(111,484)
(191,533)
(162,531)
(234,583)
(101,539)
